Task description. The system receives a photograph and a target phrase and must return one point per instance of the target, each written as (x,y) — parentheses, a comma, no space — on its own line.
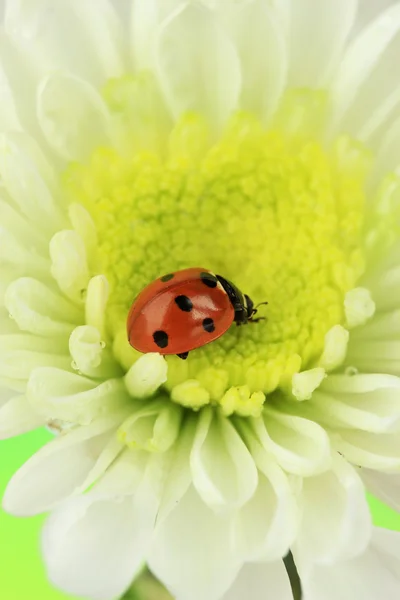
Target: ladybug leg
(251,320)
(183,355)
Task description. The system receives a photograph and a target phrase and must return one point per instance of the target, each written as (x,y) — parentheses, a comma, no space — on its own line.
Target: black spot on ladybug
(167,277)
(209,279)
(208,325)
(161,338)
(184,303)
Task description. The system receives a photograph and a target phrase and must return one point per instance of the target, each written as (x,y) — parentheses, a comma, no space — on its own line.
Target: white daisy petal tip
(335,348)
(96,301)
(306,382)
(148,373)
(359,307)
(69,265)
(155,428)
(86,347)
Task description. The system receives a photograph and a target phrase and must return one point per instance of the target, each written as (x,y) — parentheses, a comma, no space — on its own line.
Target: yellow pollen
(279,215)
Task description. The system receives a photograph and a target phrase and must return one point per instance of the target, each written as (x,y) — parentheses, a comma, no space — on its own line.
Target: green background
(22,575)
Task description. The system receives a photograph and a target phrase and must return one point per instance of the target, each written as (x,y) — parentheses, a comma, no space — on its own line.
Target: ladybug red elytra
(185,310)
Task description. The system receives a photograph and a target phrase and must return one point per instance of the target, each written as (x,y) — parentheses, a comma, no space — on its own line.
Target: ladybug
(185,310)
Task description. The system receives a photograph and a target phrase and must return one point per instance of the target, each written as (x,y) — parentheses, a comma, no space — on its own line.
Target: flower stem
(293,576)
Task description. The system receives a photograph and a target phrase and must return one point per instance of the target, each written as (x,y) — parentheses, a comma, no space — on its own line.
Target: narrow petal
(154,427)
(146,18)
(367,402)
(69,265)
(71,397)
(300,446)
(29,179)
(255,580)
(312,64)
(72,115)
(199,565)
(366,81)
(17,416)
(146,375)
(91,355)
(266,526)
(38,310)
(42,31)
(364,449)
(197,65)
(336,499)
(223,470)
(22,229)
(179,477)
(375,574)
(375,356)
(384,486)
(112,539)
(57,470)
(21,354)
(262,52)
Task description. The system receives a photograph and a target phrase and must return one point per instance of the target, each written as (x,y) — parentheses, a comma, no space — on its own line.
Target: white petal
(318,33)
(384,486)
(223,470)
(71,397)
(22,229)
(29,180)
(38,310)
(197,65)
(199,565)
(306,382)
(300,446)
(359,307)
(5,395)
(387,159)
(90,355)
(57,470)
(21,354)
(179,476)
(375,574)
(262,55)
(266,526)
(19,80)
(146,17)
(72,115)
(366,78)
(123,476)
(256,580)
(69,265)
(154,427)
(367,402)
(375,356)
(146,375)
(19,257)
(8,116)
(96,302)
(385,286)
(336,523)
(93,548)
(370,450)
(42,29)
(17,416)
(335,348)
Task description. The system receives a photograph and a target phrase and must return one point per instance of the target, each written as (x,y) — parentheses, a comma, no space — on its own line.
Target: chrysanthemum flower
(260,140)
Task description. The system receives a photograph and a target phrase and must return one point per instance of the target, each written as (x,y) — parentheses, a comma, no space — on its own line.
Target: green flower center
(277,213)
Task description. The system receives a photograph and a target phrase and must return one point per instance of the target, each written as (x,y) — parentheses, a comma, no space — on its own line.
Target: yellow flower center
(278,214)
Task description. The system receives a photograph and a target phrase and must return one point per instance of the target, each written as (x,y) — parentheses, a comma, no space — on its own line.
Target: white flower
(259,139)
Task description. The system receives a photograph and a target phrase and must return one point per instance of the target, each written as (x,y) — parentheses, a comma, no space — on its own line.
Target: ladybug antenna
(260,304)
